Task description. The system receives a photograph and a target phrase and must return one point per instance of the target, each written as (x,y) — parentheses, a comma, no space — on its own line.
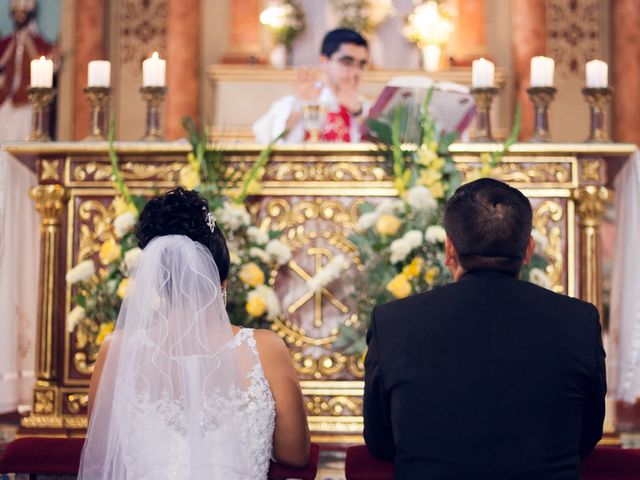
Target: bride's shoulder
(269,343)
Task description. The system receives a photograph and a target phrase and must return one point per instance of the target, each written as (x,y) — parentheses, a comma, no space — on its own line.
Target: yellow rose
(399,286)
(430,275)
(122,288)
(413,269)
(121,207)
(252,275)
(388,225)
(189,178)
(437,190)
(105,329)
(109,252)
(256,306)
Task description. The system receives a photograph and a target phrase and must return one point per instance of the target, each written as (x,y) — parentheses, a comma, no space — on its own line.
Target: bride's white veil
(171,371)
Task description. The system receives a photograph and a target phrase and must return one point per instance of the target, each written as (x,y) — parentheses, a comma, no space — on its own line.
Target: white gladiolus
(233,216)
(367,220)
(124,223)
(278,251)
(75,315)
(420,199)
(435,234)
(538,277)
(414,238)
(131,258)
(328,274)
(541,241)
(81,272)
(257,236)
(260,254)
(400,249)
(270,299)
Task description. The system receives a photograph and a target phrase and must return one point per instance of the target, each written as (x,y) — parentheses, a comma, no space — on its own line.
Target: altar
(312,194)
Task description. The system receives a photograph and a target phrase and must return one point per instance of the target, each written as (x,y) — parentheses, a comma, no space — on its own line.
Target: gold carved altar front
(312,194)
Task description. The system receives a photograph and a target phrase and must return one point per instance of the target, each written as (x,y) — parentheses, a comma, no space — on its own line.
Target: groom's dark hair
(489,224)
(333,39)
(183,212)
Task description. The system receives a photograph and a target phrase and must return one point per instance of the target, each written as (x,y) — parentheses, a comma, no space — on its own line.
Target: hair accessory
(211,221)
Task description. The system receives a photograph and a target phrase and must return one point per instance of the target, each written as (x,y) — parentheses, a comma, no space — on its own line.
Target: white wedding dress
(180,396)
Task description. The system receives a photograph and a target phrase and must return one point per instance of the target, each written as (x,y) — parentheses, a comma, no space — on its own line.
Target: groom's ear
(450,254)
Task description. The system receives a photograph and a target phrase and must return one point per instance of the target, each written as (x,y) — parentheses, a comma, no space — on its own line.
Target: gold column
(50,203)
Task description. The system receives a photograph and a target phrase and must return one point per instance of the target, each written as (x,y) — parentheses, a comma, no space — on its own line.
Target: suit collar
(486,274)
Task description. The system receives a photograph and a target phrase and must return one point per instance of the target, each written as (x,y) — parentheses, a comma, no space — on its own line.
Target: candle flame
(42,58)
(155,55)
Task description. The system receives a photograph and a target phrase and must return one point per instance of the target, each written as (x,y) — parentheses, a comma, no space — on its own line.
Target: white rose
(74,317)
(419,198)
(414,238)
(367,220)
(81,272)
(131,258)
(390,206)
(124,223)
(269,297)
(260,254)
(435,234)
(541,241)
(257,236)
(233,216)
(328,274)
(278,251)
(538,277)
(400,249)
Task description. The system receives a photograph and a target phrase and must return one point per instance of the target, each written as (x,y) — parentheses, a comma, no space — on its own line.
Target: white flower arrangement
(131,258)
(328,274)
(542,243)
(270,298)
(435,234)
(81,272)
(257,236)
(75,316)
(402,247)
(420,199)
(233,216)
(385,207)
(279,252)
(362,15)
(124,223)
(538,277)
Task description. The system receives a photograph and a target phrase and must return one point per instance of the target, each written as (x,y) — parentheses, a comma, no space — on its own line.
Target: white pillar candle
(154,71)
(482,73)
(597,74)
(99,73)
(42,73)
(542,72)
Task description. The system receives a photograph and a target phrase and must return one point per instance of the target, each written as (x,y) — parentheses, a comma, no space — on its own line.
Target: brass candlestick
(40,98)
(597,98)
(99,99)
(154,97)
(541,98)
(484,99)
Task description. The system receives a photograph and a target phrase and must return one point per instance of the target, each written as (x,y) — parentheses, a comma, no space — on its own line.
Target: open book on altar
(452,107)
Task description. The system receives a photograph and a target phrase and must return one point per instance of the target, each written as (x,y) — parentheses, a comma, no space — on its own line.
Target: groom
(489,377)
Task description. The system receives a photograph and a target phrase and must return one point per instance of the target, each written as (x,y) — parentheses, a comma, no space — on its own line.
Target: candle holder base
(541,98)
(598,99)
(99,100)
(484,98)
(40,98)
(154,97)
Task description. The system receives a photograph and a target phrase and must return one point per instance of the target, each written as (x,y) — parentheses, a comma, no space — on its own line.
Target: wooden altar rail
(303,187)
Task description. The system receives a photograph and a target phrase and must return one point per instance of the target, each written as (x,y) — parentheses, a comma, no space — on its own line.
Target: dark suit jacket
(486,378)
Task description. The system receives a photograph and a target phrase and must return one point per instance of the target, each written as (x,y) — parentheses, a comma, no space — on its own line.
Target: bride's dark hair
(183,212)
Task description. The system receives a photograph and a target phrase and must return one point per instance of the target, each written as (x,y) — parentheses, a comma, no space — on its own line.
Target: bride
(177,391)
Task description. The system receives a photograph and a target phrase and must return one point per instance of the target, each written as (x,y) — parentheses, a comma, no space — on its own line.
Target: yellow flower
(429,176)
(388,225)
(122,288)
(486,170)
(399,286)
(437,190)
(256,306)
(189,177)
(413,269)
(109,252)
(121,207)
(425,156)
(105,329)
(437,164)
(430,275)
(254,187)
(252,275)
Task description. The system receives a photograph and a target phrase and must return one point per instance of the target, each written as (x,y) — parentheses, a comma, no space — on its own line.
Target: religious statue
(16,52)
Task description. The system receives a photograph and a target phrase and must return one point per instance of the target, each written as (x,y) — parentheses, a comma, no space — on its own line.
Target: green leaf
(381,130)
(446,140)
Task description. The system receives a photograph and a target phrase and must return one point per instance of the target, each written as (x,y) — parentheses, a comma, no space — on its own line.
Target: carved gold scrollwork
(591,201)
(334,406)
(131,171)
(546,218)
(76,402)
(591,170)
(49,202)
(96,219)
(515,173)
(81,363)
(50,170)
(339,171)
(44,401)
